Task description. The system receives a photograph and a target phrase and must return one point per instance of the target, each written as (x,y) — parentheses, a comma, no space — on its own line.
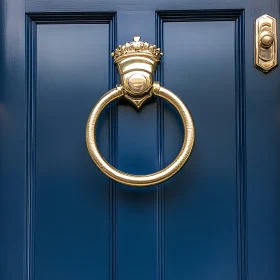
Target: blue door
(62,218)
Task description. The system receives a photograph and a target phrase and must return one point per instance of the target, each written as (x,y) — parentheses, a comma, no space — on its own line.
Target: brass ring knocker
(136,63)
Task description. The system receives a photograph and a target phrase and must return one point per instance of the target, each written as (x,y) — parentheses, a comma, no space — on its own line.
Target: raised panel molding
(32,20)
(237,16)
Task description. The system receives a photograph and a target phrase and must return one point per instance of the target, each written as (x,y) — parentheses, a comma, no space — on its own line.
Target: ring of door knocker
(136,63)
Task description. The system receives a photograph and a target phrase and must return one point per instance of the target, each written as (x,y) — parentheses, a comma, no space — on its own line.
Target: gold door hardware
(137,62)
(265,43)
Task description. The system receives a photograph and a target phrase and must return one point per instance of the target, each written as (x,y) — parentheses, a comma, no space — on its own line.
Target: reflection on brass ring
(140,180)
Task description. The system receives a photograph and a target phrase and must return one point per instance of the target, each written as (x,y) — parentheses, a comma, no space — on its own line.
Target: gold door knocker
(136,63)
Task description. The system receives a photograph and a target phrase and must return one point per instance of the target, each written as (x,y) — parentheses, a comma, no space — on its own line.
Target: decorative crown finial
(136,38)
(137,47)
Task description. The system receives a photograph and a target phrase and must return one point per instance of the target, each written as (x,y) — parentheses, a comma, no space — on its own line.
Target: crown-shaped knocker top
(137,62)
(137,47)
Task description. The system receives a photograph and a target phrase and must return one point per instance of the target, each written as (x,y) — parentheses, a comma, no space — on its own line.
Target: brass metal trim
(265,43)
(137,62)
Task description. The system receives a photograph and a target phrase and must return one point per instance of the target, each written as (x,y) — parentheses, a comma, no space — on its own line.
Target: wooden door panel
(60,217)
(71,221)
(203,196)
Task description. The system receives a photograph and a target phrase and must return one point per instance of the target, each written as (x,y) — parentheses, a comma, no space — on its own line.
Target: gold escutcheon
(265,43)
(136,62)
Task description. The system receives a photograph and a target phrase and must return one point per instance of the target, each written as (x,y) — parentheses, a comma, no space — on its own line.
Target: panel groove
(72,18)
(240,108)
(32,20)
(241,146)
(113,131)
(160,196)
(30,140)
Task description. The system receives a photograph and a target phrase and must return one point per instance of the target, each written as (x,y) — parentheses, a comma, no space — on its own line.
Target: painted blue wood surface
(60,218)
(203,196)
